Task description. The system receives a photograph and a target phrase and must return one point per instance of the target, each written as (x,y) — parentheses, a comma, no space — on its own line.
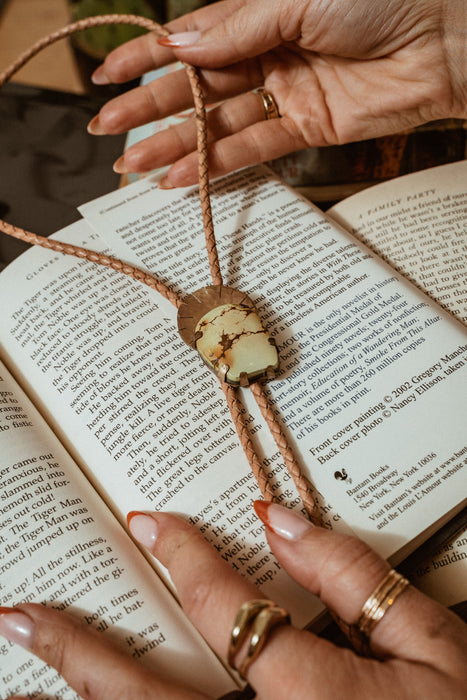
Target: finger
(343,571)
(169,95)
(253,29)
(209,590)
(211,593)
(179,140)
(138,56)
(89,662)
(257,143)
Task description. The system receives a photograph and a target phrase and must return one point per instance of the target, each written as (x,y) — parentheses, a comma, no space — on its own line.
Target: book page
(145,420)
(442,576)
(368,365)
(355,343)
(60,546)
(417,223)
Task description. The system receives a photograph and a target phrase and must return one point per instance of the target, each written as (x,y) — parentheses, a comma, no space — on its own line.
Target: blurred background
(24,21)
(49,164)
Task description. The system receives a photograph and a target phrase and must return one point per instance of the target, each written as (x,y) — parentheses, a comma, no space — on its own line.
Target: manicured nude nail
(180,40)
(17,627)
(143,528)
(282,521)
(95,127)
(99,77)
(120,167)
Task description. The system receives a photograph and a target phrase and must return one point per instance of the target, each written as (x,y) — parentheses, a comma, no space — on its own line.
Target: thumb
(344,572)
(250,30)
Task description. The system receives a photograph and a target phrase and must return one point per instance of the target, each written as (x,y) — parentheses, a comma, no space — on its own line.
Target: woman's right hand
(338,71)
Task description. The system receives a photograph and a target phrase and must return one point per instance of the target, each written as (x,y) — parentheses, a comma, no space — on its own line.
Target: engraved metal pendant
(223,325)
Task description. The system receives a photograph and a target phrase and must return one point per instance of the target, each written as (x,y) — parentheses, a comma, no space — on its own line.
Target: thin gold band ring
(271,110)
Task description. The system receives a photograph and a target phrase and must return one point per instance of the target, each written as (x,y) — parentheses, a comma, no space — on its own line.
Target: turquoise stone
(232,341)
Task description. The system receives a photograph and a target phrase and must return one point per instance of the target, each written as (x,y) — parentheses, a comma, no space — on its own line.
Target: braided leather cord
(233,402)
(290,461)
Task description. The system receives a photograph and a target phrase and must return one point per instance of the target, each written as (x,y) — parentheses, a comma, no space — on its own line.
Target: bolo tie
(219,322)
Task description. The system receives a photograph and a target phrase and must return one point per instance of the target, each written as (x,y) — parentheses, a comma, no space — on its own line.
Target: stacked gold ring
(380,601)
(257,618)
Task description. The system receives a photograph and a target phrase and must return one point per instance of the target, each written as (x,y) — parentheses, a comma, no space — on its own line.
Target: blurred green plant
(99,41)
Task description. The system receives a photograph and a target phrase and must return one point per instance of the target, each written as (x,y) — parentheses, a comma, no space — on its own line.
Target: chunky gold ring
(257,618)
(380,601)
(271,110)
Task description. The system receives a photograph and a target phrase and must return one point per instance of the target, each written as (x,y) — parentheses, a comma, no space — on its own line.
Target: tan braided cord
(236,411)
(232,397)
(287,453)
(77,251)
(203,174)
(98,258)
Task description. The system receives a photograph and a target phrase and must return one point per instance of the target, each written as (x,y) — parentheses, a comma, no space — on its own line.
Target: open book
(104,409)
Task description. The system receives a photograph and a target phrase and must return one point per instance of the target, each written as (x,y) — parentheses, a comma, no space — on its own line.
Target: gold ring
(380,601)
(257,618)
(271,110)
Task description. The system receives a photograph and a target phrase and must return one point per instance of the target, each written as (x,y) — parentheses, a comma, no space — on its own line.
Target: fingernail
(143,528)
(165,184)
(95,127)
(120,167)
(180,40)
(99,77)
(282,521)
(17,627)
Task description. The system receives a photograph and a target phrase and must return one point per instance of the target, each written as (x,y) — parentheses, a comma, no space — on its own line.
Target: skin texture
(338,71)
(420,646)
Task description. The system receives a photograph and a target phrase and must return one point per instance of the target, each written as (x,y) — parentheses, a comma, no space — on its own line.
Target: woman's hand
(420,647)
(338,71)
